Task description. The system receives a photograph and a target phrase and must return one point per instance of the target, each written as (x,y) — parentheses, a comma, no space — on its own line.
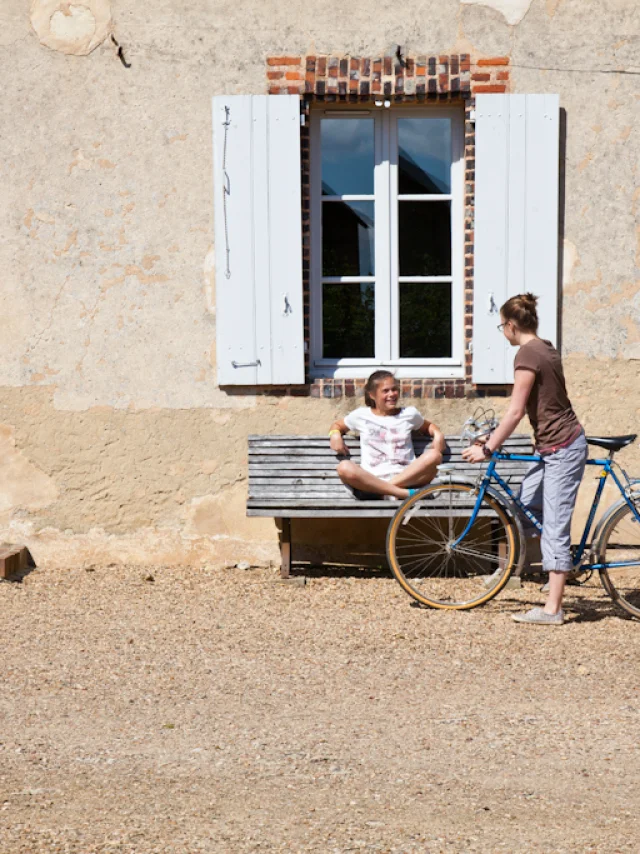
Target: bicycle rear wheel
(431,567)
(619,542)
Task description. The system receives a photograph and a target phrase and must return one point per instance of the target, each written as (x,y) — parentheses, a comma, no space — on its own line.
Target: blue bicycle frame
(607,469)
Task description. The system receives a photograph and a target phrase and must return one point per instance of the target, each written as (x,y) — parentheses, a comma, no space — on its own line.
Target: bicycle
(456,542)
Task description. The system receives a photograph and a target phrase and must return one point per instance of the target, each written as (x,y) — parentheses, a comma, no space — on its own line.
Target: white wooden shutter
(516,221)
(258,239)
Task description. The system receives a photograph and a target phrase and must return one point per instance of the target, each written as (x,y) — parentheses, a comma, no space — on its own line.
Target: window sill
(401,372)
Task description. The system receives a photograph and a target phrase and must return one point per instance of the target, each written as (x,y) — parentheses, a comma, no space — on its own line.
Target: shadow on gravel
(327,570)
(577,610)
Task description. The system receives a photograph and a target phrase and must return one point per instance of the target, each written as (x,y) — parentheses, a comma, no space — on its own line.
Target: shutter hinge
(255,364)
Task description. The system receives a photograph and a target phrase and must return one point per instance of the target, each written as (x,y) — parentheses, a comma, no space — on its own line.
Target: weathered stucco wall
(115,443)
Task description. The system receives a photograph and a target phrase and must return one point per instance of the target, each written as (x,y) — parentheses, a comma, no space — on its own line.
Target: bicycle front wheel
(438,566)
(618,547)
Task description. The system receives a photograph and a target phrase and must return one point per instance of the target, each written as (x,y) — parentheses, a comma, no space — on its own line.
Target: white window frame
(386,260)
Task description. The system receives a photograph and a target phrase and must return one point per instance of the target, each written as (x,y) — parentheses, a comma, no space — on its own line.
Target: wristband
(487,451)
(331,432)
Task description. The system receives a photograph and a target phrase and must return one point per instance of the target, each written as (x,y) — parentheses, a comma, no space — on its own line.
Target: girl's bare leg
(557,581)
(353,475)
(420,472)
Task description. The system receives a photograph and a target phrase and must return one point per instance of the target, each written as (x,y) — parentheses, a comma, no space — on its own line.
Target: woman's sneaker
(539,617)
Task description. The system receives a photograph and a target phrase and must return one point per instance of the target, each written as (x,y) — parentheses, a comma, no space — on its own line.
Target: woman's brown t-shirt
(549,409)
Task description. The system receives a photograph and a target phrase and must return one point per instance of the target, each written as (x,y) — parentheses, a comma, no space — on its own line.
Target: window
(387,241)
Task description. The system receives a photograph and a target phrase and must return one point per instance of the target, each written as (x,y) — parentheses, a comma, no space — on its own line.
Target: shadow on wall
(562,161)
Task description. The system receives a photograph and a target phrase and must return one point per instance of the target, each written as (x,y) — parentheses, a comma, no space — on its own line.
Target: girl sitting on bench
(389,464)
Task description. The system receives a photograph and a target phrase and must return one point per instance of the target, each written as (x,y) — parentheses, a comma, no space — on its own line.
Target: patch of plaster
(209,280)
(512,10)
(586,160)
(217,515)
(22,485)
(71,28)
(633,352)
(75,24)
(552,7)
(569,260)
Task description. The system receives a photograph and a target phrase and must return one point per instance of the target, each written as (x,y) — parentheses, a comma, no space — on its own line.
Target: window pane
(425,320)
(347,157)
(347,239)
(424,155)
(348,320)
(424,238)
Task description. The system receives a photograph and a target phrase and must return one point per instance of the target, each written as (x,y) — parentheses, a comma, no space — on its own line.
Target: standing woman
(550,486)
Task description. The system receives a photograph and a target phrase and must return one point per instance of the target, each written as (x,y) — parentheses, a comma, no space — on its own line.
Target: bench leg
(502,553)
(285,549)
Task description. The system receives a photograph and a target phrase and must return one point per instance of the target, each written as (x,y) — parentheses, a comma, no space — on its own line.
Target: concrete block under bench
(294,477)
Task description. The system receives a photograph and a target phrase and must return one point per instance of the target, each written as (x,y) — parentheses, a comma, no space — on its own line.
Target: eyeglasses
(501,326)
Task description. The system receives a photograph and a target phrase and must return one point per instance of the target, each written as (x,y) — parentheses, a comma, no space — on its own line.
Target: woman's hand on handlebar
(474,454)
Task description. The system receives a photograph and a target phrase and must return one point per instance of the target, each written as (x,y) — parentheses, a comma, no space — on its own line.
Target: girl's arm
(336,440)
(522,386)
(430,429)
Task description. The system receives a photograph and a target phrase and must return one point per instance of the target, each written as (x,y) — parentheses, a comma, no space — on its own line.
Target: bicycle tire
(440,577)
(619,539)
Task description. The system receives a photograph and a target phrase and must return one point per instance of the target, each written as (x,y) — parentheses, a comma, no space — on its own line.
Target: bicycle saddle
(611,443)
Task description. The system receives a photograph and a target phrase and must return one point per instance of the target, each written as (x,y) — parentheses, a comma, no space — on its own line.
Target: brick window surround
(452,79)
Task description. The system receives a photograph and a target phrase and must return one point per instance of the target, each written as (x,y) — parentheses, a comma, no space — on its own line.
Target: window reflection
(424,156)
(424,238)
(348,320)
(425,320)
(347,157)
(348,239)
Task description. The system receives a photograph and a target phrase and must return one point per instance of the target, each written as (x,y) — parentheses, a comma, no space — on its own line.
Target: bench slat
(271,469)
(309,441)
(304,479)
(339,501)
(283,447)
(333,512)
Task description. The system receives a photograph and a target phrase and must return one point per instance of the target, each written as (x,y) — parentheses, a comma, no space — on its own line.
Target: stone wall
(115,442)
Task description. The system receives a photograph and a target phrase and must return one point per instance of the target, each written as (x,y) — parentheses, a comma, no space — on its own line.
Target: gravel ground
(222,711)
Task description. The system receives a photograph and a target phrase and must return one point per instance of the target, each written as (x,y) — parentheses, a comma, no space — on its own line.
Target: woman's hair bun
(522,310)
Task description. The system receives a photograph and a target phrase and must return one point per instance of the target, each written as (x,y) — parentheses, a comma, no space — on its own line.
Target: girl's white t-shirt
(385,440)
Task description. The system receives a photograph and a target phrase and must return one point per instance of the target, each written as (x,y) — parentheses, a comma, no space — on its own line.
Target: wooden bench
(294,477)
